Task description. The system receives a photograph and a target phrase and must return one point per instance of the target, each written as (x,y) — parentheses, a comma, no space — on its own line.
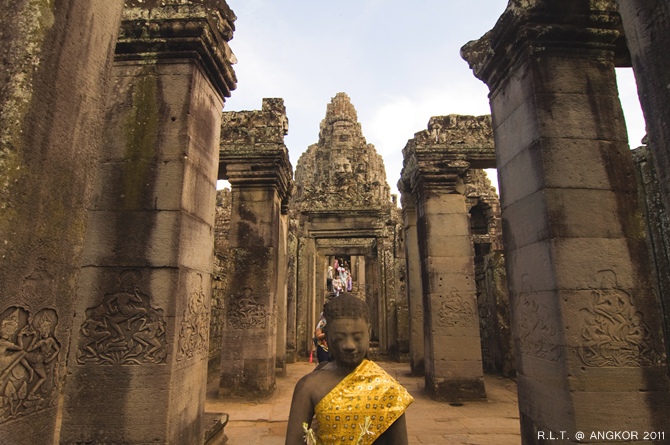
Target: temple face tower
(344,210)
(342,171)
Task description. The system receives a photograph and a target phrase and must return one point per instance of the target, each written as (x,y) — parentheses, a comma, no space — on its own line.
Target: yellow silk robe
(361,407)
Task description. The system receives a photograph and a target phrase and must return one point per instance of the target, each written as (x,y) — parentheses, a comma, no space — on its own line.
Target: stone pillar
(658,228)
(282,302)
(414,288)
(53,89)
(434,171)
(452,345)
(647,28)
(255,161)
(303,295)
(138,358)
(291,306)
(585,318)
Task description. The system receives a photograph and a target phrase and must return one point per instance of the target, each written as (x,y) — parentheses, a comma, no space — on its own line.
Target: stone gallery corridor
(141,305)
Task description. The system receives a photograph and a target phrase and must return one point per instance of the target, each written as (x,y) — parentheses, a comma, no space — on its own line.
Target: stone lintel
(268,169)
(349,214)
(181,31)
(438,157)
(542,26)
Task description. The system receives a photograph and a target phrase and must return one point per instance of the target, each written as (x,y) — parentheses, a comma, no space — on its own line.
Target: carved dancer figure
(148,333)
(95,331)
(15,371)
(121,306)
(354,400)
(44,349)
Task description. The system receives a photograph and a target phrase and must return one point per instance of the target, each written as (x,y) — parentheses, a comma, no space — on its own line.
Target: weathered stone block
(447,245)
(441,204)
(579,262)
(456,348)
(645,380)
(445,283)
(576,213)
(446,224)
(543,370)
(517,132)
(582,117)
(199,192)
(455,389)
(628,409)
(112,233)
(505,101)
(531,268)
(565,163)
(112,192)
(545,403)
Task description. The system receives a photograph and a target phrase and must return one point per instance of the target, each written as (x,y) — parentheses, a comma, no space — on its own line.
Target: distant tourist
(338,286)
(329,279)
(320,341)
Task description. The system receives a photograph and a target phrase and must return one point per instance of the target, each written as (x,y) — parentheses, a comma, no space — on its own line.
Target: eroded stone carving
(245,312)
(536,329)
(124,328)
(194,330)
(613,331)
(455,311)
(341,171)
(29,368)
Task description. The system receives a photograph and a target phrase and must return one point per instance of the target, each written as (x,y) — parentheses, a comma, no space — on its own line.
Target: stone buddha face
(348,341)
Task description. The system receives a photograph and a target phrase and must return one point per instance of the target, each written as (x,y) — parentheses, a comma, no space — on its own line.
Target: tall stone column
(254,159)
(282,297)
(292,292)
(585,318)
(53,89)
(435,166)
(452,346)
(647,28)
(138,356)
(414,288)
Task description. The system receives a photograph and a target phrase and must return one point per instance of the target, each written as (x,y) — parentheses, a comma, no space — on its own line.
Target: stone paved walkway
(494,422)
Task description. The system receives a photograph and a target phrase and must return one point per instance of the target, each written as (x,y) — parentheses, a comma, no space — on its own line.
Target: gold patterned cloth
(361,407)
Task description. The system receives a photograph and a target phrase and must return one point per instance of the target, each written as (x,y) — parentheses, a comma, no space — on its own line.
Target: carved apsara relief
(245,312)
(536,329)
(194,331)
(455,312)
(124,328)
(613,331)
(29,366)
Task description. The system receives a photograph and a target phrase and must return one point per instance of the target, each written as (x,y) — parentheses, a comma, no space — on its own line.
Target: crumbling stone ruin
(343,208)
(586,314)
(254,159)
(113,301)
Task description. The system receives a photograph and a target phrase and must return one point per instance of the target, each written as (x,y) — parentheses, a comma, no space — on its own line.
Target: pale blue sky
(399,63)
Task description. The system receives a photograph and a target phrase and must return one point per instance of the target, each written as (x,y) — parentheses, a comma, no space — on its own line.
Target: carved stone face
(342,165)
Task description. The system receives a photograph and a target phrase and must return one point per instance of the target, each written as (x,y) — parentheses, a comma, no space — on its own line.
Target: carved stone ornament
(245,312)
(537,332)
(342,171)
(194,332)
(29,366)
(124,329)
(613,331)
(455,312)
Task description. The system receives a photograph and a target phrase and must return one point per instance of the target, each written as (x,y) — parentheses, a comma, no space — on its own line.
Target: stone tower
(342,170)
(344,210)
